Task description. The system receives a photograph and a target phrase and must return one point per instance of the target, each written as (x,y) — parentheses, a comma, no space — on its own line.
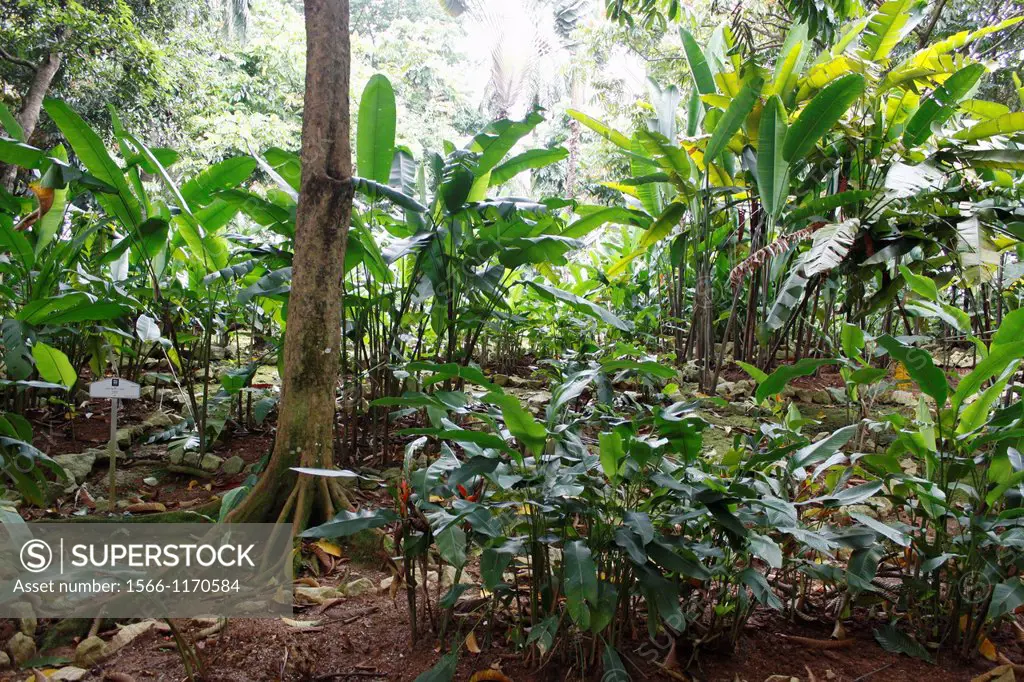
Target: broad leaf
(818,117)
(375,138)
(53,365)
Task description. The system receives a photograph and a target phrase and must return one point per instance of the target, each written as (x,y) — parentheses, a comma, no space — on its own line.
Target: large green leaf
(581,304)
(223,175)
(451,544)
(20,154)
(818,117)
(999,356)
(9,123)
(822,206)
(822,449)
(663,226)
(373,189)
(98,311)
(93,154)
(778,379)
(699,69)
(888,25)
(444,671)
(53,365)
(15,243)
(729,124)
(1002,125)
(940,105)
(614,214)
(534,158)
(349,523)
(1007,597)
(375,138)
(772,169)
(498,139)
(896,641)
(920,367)
(602,129)
(520,422)
(47,227)
(452,370)
(580,581)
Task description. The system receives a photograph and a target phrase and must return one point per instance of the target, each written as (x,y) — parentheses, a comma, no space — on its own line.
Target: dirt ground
(367,637)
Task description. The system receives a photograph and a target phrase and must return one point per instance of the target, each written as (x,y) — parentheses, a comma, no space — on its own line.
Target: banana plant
(828,149)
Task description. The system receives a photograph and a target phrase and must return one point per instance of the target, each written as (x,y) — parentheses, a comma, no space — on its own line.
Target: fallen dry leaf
(489,676)
(988,650)
(1003,673)
(329,547)
(300,623)
(471,644)
(821,643)
(146,508)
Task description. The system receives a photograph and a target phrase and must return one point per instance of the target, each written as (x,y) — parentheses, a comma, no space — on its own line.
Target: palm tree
(530,44)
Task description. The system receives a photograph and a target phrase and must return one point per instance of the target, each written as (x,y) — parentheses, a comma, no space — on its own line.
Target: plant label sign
(121,389)
(114,389)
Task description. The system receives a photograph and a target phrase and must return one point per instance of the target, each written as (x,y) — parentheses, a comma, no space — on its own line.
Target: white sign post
(115,390)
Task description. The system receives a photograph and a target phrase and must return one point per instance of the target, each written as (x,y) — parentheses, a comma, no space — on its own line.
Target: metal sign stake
(115,390)
(112,450)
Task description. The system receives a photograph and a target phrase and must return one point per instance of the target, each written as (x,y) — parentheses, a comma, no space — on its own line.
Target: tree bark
(305,427)
(31,106)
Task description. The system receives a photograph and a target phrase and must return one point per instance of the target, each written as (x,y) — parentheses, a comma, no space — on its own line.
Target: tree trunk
(28,116)
(305,427)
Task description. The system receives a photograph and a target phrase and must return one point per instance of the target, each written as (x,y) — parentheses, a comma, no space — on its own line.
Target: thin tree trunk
(926,32)
(28,116)
(305,428)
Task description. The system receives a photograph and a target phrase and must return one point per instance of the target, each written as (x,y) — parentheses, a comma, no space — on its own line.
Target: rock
(532,384)
(55,490)
(21,648)
(358,587)
(317,595)
(26,617)
(961,359)
(690,372)
(177,457)
(903,398)
(233,465)
(146,508)
(736,390)
(500,379)
(813,396)
(879,508)
(448,577)
(210,462)
(392,474)
(126,435)
(170,396)
(89,652)
(158,419)
(746,387)
(151,481)
(77,466)
(68,673)
(5,660)
(218,353)
(154,379)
